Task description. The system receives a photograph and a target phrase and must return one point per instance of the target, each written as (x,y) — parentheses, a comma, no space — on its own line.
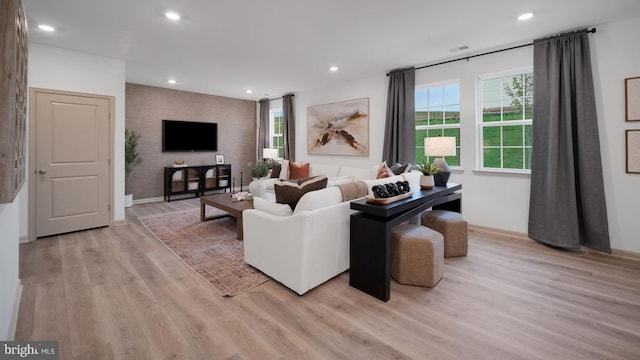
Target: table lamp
(269,153)
(440,147)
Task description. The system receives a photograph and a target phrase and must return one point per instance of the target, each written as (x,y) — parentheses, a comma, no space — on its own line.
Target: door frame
(31,169)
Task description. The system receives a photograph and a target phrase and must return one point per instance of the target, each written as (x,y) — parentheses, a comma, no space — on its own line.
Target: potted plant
(428,169)
(131,160)
(258,170)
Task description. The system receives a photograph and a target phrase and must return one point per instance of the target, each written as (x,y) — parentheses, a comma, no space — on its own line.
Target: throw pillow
(271,207)
(384,171)
(284,169)
(275,170)
(288,192)
(298,171)
(398,169)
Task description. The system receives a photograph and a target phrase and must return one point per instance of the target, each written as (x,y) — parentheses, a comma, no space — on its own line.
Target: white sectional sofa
(309,245)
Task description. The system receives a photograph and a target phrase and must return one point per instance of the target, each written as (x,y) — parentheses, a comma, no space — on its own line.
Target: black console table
(370,258)
(196,179)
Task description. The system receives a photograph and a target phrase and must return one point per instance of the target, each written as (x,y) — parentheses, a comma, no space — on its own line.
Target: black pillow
(398,169)
(275,170)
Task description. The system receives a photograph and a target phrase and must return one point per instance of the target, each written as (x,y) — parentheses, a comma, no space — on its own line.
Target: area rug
(210,248)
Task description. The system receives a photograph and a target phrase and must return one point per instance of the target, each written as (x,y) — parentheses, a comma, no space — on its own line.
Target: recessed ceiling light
(172,16)
(46,27)
(333,68)
(526,16)
(249,91)
(171,81)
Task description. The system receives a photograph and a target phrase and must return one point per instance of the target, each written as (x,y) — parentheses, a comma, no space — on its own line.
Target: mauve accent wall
(147,106)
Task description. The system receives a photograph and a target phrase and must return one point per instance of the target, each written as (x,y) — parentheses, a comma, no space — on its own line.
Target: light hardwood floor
(118,293)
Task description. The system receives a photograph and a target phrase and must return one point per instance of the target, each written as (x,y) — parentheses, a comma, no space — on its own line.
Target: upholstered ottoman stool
(453,227)
(417,255)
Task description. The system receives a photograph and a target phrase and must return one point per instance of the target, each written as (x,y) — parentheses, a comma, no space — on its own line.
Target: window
(438,114)
(276,141)
(504,120)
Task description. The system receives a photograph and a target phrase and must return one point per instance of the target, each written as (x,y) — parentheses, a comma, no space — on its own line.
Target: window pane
(436,116)
(528,84)
(528,108)
(527,158)
(422,99)
(453,160)
(512,88)
(420,135)
(453,132)
(513,112)
(528,134)
(452,114)
(434,132)
(435,96)
(452,94)
(513,158)
(512,135)
(420,156)
(491,89)
(422,118)
(491,157)
(491,111)
(491,136)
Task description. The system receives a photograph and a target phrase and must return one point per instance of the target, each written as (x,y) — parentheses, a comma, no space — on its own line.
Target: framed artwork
(219,159)
(633,151)
(340,128)
(632,98)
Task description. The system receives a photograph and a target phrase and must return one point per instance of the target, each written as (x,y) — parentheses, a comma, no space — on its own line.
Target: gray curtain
(567,203)
(400,128)
(263,129)
(288,127)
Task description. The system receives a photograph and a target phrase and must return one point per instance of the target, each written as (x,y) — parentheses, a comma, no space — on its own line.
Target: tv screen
(189,136)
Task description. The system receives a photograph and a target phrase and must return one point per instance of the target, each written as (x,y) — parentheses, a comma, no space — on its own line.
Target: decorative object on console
(428,169)
(219,159)
(290,192)
(632,98)
(440,147)
(388,193)
(340,128)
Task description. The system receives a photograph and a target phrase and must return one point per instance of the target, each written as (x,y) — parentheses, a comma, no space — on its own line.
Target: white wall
(615,53)
(502,200)
(9,281)
(58,69)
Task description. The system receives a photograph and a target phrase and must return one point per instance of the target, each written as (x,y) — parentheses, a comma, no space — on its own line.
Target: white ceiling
(279,46)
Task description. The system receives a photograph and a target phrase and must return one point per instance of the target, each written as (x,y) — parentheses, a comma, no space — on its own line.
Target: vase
(426,182)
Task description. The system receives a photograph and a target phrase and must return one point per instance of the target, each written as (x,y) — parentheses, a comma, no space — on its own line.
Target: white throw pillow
(271,207)
(330,171)
(284,170)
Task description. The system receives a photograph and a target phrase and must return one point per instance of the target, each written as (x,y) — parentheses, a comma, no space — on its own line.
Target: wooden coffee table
(224,202)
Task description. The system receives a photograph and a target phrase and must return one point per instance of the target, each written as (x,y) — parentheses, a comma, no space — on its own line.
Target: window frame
(480,125)
(443,126)
(272,133)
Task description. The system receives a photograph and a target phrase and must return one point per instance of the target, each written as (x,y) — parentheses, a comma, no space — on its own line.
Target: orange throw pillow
(297,171)
(384,171)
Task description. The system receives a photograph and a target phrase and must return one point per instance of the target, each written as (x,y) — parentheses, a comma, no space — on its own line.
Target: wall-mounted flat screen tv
(180,135)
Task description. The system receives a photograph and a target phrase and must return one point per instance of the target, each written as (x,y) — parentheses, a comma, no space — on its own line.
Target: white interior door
(72,162)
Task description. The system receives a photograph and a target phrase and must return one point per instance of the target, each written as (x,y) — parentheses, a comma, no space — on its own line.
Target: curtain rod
(276,98)
(486,53)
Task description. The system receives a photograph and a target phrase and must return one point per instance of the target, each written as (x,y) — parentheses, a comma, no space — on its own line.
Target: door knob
(42,171)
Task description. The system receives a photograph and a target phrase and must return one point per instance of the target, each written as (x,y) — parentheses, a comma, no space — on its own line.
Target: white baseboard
(148,200)
(11,332)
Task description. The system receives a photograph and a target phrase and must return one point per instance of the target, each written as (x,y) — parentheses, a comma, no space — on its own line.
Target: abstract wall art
(340,128)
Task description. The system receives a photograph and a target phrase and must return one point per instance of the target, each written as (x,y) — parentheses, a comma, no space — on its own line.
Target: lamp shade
(268,153)
(440,146)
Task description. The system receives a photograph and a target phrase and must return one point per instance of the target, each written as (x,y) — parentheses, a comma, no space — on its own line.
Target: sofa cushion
(399,168)
(384,171)
(331,171)
(271,207)
(340,180)
(298,171)
(284,170)
(288,192)
(318,199)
